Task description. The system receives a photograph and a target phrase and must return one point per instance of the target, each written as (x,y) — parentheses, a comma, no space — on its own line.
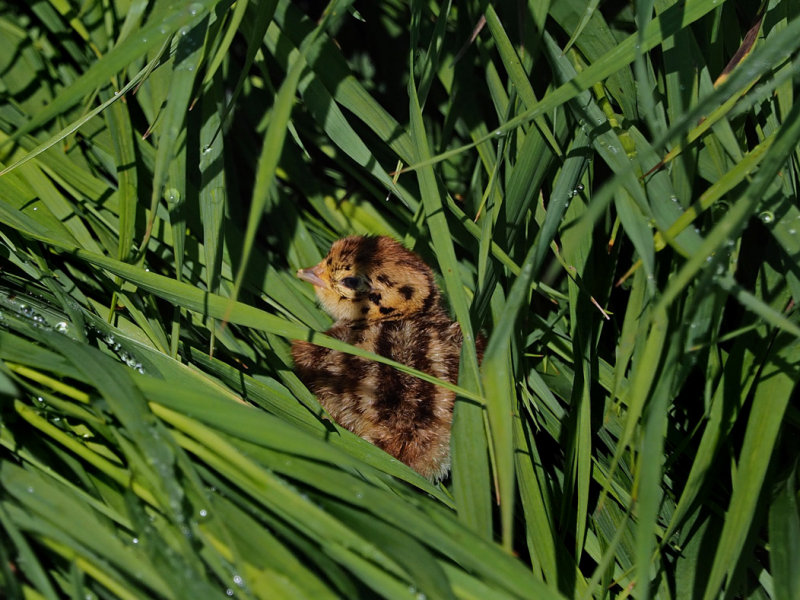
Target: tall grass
(609,192)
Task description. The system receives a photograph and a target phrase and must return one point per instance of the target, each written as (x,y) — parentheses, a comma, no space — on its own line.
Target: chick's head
(373,279)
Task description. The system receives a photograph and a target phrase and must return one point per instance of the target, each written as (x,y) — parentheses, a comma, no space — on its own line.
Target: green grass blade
(770,400)
(268,161)
(163,24)
(470,467)
(784,537)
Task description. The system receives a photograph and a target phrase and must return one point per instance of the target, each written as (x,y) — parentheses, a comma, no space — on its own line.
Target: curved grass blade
(33,568)
(588,13)
(516,72)
(671,21)
(770,399)
(470,466)
(74,126)
(733,221)
(162,24)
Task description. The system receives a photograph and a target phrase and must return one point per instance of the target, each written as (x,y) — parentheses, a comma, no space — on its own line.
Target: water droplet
(766,217)
(62,327)
(229,592)
(135,541)
(173,195)
(203,512)
(30,489)
(237,579)
(194,8)
(579,187)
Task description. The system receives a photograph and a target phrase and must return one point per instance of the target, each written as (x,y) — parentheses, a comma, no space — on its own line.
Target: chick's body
(385,301)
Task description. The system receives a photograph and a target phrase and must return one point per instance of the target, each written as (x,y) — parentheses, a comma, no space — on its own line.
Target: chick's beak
(312,276)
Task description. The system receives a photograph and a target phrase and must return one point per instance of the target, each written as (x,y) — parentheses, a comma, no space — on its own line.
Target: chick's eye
(352,282)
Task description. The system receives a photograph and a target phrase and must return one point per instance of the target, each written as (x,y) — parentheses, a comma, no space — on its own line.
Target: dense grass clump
(608,192)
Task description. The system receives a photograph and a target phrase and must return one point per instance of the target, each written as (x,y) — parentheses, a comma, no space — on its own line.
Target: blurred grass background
(609,192)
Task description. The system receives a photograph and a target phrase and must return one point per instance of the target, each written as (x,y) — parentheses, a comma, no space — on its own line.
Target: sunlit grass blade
(162,25)
(470,460)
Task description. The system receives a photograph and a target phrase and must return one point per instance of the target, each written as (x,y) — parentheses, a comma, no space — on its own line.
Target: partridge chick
(384,300)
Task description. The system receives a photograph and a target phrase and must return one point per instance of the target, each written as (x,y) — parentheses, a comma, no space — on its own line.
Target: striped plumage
(385,300)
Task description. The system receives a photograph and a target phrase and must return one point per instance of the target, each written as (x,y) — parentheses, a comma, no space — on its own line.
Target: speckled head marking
(372,278)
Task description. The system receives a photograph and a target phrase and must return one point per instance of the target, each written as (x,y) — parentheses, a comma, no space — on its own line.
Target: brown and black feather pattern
(386,301)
